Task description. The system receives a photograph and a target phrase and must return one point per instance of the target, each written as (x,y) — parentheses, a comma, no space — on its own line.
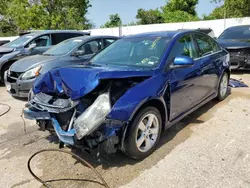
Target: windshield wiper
(90,64)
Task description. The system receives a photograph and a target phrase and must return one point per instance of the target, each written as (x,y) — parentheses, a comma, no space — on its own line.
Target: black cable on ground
(45,183)
(6,110)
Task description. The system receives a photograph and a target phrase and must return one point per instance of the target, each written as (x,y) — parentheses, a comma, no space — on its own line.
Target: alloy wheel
(224,85)
(147,132)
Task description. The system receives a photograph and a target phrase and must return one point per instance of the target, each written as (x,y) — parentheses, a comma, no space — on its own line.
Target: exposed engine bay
(239,58)
(83,122)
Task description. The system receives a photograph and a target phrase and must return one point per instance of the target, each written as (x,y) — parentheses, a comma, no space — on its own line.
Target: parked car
(207,31)
(2,42)
(31,44)
(21,75)
(236,40)
(131,91)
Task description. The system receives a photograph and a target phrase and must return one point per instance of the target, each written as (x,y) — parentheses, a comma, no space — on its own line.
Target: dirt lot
(210,148)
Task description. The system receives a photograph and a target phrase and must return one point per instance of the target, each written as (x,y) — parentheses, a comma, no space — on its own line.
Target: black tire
(5,68)
(130,146)
(221,96)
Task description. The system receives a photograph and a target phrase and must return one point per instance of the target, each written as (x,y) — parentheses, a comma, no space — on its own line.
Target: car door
(88,49)
(209,57)
(39,45)
(184,82)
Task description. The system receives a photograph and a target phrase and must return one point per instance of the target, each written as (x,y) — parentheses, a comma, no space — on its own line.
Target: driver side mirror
(32,46)
(79,53)
(182,61)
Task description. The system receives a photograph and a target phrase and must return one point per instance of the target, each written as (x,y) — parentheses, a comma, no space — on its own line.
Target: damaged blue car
(124,97)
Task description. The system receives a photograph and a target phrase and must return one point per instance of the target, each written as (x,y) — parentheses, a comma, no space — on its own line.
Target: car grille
(15,74)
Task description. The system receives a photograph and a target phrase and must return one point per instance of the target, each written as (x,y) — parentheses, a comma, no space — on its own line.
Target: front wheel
(144,133)
(223,87)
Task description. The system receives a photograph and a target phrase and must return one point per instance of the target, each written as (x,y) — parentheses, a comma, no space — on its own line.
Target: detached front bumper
(17,87)
(109,128)
(66,137)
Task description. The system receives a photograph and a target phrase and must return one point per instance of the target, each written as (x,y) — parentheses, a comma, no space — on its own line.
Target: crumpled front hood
(30,62)
(77,82)
(233,43)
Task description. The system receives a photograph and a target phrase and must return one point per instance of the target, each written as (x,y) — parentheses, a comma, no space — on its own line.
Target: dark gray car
(31,44)
(21,75)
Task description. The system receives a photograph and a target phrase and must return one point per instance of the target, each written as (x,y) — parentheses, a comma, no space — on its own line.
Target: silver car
(21,75)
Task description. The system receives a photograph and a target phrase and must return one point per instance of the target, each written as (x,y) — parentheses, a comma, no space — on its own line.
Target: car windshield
(140,52)
(19,41)
(63,47)
(236,33)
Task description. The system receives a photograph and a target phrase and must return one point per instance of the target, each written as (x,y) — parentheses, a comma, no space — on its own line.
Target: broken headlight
(93,116)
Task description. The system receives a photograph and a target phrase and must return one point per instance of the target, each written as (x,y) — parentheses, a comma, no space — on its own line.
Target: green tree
(149,16)
(187,6)
(7,26)
(114,21)
(49,14)
(180,11)
(230,9)
(178,16)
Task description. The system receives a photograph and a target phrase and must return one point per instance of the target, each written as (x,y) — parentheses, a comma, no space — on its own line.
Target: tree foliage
(114,21)
(149,16)
(187,6)
(45,14)
(230,9)
(173,11)
(180,11)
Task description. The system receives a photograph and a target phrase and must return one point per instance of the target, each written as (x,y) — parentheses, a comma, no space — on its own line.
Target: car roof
(239,26)
(95,37)
(88,38)
(168,34)
(40,32)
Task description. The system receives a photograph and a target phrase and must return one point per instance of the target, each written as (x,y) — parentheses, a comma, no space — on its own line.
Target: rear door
(184,82)
(210,58)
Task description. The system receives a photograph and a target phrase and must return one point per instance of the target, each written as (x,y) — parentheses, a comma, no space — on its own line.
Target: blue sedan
(130,92)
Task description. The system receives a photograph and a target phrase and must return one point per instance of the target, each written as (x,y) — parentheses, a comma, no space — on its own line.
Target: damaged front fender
(128,104)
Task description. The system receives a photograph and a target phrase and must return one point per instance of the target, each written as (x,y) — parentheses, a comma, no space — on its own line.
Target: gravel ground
(209,148)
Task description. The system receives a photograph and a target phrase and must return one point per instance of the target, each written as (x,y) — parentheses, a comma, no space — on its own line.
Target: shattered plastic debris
(236,83)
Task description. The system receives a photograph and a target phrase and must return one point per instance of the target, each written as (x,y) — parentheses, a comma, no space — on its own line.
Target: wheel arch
(5,65)
(158,104)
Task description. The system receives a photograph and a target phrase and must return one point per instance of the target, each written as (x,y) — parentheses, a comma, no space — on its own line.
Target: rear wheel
(144,133)
(223,87)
